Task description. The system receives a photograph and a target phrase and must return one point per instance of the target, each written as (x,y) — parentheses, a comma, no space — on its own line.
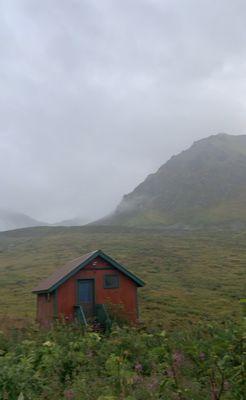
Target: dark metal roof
(62,274)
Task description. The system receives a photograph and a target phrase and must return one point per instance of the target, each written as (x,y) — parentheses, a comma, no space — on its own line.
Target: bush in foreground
(129,364)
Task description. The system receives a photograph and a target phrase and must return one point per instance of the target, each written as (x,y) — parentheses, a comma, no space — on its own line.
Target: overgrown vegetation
(128,364)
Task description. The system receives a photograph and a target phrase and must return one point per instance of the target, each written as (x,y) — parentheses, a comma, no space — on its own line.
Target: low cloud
(96,95)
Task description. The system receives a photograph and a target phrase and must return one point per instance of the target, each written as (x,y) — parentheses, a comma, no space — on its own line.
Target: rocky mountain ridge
(204,185)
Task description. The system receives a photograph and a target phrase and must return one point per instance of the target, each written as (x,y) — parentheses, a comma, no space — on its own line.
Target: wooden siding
(45,308)
(125,295)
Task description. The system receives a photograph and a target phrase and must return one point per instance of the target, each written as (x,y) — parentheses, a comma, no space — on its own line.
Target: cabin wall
(45,309)
(125,296)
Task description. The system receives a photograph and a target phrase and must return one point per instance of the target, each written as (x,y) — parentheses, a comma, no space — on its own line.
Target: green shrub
(130,364)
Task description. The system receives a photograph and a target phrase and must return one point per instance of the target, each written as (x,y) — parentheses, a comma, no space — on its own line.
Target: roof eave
(69,275)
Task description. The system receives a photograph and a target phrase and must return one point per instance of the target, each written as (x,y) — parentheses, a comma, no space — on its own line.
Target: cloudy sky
(96,94)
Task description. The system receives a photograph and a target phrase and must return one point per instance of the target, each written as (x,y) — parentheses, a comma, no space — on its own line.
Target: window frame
(105,286)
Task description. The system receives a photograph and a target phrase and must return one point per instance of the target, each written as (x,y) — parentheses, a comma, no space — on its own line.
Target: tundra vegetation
(189,344)
(129,363)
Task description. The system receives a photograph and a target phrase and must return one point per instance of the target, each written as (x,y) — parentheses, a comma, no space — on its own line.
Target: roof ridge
(83,255)
(63,273)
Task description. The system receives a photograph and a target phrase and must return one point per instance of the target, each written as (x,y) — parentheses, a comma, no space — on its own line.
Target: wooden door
(86,297)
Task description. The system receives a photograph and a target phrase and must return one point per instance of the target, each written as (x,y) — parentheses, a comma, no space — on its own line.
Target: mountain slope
(12,220)
(77,221)
(204,185)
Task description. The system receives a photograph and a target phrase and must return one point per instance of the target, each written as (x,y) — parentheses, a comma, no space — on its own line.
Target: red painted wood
(125,296)
(45,309)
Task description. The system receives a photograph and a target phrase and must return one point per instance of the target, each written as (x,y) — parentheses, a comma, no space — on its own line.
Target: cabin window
(111,281)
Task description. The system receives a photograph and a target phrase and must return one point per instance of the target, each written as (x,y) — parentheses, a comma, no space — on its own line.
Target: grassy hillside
(189,275)
(202,186)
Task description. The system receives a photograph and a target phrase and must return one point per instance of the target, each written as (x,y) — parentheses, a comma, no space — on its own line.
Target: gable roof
(72,267)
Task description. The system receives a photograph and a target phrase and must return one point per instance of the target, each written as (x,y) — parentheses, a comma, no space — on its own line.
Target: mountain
(77,221)
(10,220)
(13,220)
(202,186)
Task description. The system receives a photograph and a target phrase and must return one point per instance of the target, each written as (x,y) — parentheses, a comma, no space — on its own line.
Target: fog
(95,95)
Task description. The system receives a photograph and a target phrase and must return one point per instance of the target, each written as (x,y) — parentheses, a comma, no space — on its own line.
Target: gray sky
(97,94)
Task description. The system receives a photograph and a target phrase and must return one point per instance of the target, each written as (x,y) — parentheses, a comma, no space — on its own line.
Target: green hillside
(202,186)
(189,276)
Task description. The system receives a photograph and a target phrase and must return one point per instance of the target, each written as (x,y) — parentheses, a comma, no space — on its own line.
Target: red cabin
(83,286)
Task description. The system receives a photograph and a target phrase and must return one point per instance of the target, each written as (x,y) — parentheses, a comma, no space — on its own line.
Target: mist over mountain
(77,221)
(10,220)
(13,220)
(204,185)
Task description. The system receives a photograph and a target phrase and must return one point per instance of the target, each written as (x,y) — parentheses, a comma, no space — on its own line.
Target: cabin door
(86,297)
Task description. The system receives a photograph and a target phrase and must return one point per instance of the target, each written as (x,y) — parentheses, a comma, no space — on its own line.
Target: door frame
(93,291)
